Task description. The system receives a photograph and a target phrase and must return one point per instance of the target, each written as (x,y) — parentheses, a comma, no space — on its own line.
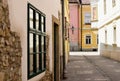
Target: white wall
(18,19)
(103,19)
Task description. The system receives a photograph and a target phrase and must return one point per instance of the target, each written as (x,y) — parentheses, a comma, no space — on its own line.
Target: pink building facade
(74,26)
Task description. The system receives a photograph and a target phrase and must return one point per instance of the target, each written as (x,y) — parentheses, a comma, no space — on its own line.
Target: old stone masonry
(10,48)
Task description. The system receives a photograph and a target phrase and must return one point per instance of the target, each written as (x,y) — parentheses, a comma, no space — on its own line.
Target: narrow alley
(91,68)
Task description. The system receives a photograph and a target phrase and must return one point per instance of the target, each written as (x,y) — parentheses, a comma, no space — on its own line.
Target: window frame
(37,51)
(86,18)
(88,41)
(113,3)
(105,7)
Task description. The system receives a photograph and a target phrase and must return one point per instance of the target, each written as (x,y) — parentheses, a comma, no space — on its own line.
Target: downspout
(63,39)
(81,25)
(78,26)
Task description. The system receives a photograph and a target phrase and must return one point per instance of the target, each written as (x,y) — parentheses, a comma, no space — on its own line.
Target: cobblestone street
(90,67)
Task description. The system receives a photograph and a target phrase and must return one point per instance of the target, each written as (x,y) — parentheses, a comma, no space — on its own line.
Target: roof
(85,1)
(73,1)
(77,1)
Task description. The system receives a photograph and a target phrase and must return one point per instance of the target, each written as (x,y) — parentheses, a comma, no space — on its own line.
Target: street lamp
(72,28)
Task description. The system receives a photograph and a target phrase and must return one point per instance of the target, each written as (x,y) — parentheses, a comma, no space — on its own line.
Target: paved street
(90,67)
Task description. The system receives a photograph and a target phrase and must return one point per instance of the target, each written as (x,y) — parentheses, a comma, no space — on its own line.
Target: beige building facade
(39,31)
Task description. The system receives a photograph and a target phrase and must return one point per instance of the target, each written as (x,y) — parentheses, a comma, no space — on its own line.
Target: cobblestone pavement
(92,68)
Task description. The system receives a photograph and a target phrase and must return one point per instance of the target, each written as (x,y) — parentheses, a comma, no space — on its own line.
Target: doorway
(56,53)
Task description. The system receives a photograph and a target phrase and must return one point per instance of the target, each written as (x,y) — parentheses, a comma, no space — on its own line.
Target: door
(56,53)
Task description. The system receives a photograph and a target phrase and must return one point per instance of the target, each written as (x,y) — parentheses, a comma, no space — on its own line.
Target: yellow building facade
(89,35)
(66,32)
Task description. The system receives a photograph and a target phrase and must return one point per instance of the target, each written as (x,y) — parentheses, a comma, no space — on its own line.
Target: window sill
(114,45)
(105,45)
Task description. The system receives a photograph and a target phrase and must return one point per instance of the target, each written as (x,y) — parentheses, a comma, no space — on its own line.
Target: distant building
(89,34)
(109,30)
(74,31)
(83,35)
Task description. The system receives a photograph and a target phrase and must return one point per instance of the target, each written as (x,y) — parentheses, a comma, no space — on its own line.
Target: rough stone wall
(48,74)
(110,51)
(10,48)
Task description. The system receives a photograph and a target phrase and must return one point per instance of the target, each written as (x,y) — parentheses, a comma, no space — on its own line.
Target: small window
(87,18)
(97,39)
(114,35)
(94,13)
(105,7)
(113,3)
(36,42)
(105,36)
(88,39)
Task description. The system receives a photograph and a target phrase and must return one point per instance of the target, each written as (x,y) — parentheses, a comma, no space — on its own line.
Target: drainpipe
(81,25)
(63,39)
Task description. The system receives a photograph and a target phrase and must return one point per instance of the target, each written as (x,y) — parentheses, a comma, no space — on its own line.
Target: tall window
(36,41)
(105,36)
(87,18)
(114,35)
(104,6)
(88,39)
(94,13)
(113,3)
(97,39)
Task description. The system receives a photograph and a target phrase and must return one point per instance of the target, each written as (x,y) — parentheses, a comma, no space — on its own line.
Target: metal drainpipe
(63,38)
(81,25)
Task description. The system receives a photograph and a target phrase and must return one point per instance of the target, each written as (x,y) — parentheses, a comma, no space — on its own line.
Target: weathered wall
(10,48)
(74,22)
(18,19)
(110,51)
(48,74)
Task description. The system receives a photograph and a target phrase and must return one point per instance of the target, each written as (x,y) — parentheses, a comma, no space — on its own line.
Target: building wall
(88,30)
(74,17)
(67,25)
(107,22)
(18,20)
(93,45)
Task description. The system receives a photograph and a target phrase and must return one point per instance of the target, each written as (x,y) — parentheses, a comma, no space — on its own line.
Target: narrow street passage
(92,68)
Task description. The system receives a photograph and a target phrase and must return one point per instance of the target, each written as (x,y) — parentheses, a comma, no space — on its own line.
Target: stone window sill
(114,45)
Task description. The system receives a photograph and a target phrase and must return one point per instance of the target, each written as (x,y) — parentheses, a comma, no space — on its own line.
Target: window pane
(42,60)
(42,27)
(37,21)
(42,19)
(38,62)
(87,18)
(37,43)
(31,43)
(42,43)
(88,39)
(31,23)
(31,18)
(31,64)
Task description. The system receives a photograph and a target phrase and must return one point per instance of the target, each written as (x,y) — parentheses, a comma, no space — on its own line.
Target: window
(87,18)
(114,35)
(105,36)
(113,3)
(97,39)
(94,13)
(104,6)
(36,42)
(88,39)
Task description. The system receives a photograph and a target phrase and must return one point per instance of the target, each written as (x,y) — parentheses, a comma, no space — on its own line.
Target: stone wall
(110,51)
(10,48)
(48,75)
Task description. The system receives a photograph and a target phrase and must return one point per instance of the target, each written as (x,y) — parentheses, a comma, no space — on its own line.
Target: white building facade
(109,30)
(47,14)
